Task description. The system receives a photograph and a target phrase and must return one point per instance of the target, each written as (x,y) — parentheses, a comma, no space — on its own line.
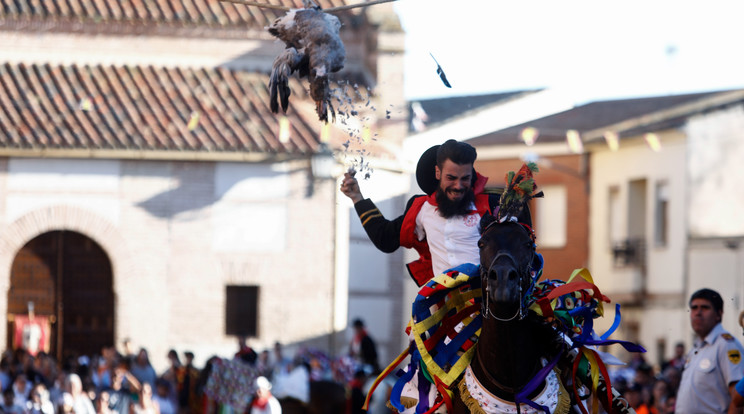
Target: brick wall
(559,262)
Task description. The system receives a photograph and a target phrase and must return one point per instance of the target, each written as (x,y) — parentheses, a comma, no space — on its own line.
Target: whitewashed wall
(660,316)
(716,173)
(635,161)
(177,233)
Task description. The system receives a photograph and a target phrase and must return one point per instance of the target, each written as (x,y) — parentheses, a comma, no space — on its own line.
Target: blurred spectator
(668,406)
(9,405)
(39,403)
(127,350)
(81,404)
(357,394)
(142,369)
(644,378)
(187,398)
(659,394)
(206,404)
(678,359)
(282,364)
(636,360)
(102,403)
(363,347)
(123,384)
(294,384)
(673,376)
(5,378)
(145,403)
(65,405)
(245,352)
(163,397)
(101,372)
(264,402)
(634,396)
(58,388)
(45,368)
(264,366)
(174,374)
(21,389)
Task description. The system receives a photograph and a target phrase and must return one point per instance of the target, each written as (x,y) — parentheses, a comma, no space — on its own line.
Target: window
(614,217)
(637,209)
(552,213)
(241,311)
(661,215)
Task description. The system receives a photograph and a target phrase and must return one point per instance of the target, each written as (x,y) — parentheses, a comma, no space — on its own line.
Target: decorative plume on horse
(494,338)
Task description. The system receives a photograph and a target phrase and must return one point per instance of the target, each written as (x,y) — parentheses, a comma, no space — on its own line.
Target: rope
(330,10)
(253,3)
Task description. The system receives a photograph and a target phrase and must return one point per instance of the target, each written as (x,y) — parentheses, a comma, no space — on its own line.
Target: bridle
(525,272)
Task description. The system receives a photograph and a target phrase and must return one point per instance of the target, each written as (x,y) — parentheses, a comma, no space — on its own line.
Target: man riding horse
(534,339)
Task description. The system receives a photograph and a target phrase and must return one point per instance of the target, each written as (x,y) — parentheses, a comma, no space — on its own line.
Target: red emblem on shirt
(471,220)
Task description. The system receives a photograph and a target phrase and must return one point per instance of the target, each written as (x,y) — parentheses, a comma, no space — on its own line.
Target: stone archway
(67,278)
(98,229)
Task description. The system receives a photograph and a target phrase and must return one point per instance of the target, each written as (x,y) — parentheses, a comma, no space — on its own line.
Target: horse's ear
(525,216)
(485,221)
(537,262)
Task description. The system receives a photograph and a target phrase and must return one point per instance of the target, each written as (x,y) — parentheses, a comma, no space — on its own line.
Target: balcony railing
(629,253)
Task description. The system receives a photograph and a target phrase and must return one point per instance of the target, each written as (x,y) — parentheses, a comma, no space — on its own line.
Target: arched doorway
(67,276)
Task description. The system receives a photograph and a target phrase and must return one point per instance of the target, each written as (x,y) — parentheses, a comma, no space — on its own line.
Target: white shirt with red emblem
(452,241)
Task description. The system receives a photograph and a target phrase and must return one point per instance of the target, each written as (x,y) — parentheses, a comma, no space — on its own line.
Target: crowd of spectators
(649,389)
(114,382)
(109,382)
(126,383)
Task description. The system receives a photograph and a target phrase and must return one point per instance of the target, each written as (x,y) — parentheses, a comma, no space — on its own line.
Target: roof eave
(160,155)
(660,117)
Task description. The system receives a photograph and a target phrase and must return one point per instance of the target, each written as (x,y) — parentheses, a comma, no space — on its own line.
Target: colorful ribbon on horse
(446,324)
(573,305)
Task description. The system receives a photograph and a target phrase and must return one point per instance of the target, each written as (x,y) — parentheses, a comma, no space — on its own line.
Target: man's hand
(350,187)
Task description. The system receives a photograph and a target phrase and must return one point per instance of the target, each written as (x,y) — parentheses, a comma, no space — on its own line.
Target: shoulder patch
(727,336)
(734,356)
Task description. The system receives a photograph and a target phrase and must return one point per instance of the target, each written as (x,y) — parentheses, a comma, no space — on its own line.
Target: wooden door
(68,277)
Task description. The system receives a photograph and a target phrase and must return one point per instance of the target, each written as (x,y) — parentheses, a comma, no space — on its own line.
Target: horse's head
(507,258)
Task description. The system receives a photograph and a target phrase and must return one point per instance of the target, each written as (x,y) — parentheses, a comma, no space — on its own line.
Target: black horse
(515,343)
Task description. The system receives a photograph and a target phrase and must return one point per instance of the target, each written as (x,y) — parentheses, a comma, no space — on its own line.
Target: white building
(147,192)
(666,216)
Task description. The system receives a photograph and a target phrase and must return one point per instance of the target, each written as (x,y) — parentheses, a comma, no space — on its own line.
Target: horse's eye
(481,244)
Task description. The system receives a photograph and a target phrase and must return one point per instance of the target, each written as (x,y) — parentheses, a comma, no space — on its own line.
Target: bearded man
(443,226)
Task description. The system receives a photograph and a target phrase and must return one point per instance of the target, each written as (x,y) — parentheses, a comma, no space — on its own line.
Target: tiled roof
(213,13)
(441,110)
(589,117)
(148,109)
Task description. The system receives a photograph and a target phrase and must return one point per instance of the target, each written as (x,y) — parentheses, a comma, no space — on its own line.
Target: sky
(591,49)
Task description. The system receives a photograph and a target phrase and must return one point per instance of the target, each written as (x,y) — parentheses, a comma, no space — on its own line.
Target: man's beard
(448,208)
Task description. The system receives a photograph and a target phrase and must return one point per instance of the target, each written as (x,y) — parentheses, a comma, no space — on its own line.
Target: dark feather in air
(440,72)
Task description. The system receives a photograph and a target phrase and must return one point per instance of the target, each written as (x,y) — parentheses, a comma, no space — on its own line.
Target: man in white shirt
(714,365)
(443,226)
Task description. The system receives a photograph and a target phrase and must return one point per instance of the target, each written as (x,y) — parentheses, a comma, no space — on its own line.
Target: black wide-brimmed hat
(425,175)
